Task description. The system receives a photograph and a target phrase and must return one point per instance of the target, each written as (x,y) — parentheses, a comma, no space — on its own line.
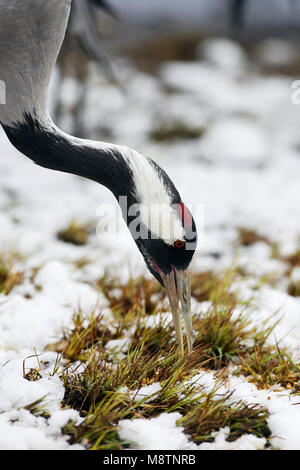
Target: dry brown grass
(248,237)
(76,233)
(9,276)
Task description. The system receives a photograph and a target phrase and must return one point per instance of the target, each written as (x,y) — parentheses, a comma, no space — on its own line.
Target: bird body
(31,34)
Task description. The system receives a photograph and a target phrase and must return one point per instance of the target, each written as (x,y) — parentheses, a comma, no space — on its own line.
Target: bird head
(168,255)
(165,233)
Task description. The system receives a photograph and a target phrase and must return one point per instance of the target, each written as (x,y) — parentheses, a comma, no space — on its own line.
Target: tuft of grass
(211,415)
(247,237)
(267,367)
(9,277)
(99,396)
(294,288)
(225,330)
(176,131)
(37,408)
(100,377)
(223,334)
(75,233)
(214,287)
(76,343)
(32,375)
(293,259)
(81,262)
(100,392)
(205,284)
(99,430)
(150,54)
(142,293)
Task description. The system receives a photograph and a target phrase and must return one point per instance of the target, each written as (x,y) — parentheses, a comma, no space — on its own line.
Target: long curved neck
(45,144)
(31,34)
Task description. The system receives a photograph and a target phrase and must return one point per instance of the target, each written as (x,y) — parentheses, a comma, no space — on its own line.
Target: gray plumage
(31,34)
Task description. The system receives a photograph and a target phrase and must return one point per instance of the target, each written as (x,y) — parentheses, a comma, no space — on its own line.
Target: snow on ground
(155,433)
(284,412)
(162,433)
(19,428)
(242,170)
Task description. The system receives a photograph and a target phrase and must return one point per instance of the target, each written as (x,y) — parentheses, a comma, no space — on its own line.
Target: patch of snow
(120,345)
(235,141)
(245,442)
(223,53)
(295,275)
(57,285)
(19,428)
(155,433)
(276,52)
(143,392)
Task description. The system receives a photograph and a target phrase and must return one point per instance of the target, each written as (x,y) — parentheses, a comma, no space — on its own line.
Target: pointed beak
(178,287)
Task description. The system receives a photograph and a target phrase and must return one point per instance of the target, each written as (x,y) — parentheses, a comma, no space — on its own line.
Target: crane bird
(31,34)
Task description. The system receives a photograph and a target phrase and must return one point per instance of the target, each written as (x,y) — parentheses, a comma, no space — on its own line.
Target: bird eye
(179,244)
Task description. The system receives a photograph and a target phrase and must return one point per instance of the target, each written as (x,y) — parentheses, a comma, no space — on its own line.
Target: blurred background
(111,38)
